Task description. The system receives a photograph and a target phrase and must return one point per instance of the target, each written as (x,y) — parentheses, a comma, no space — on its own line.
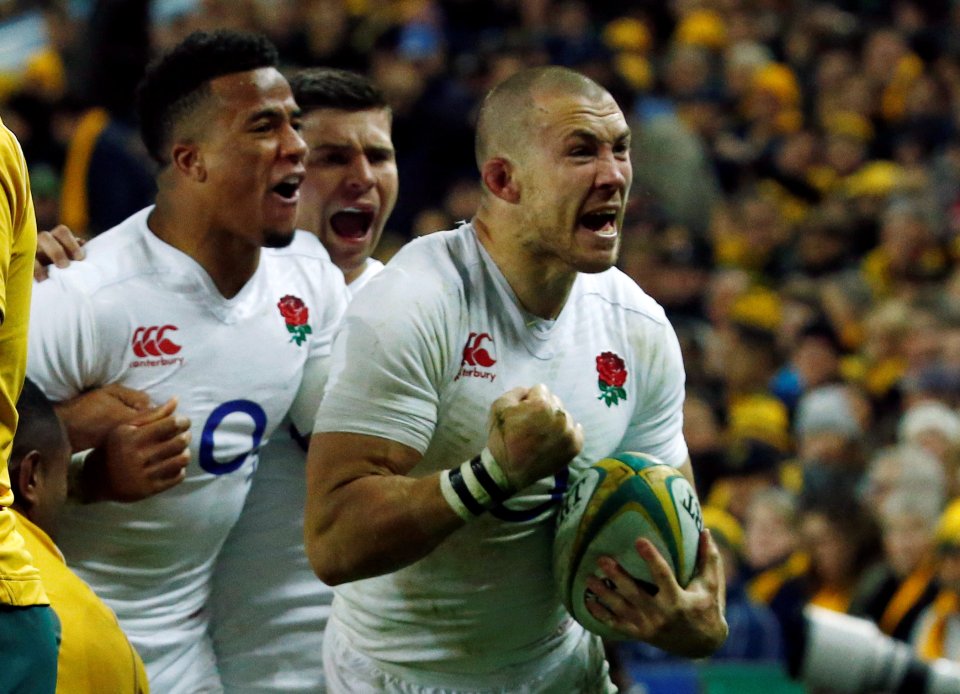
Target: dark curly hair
(332,88)
(176,82)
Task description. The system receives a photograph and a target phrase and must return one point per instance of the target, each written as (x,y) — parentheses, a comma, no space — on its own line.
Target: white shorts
(348,671)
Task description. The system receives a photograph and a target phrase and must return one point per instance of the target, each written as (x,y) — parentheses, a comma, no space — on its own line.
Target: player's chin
(595,253)
(593,263)
(278,238)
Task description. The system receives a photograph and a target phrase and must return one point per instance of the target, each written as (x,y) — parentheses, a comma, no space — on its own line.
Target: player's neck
(228,260)
(542,289)
(349,275)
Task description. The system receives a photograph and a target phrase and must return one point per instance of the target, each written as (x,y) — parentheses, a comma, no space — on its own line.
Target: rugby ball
(611,505)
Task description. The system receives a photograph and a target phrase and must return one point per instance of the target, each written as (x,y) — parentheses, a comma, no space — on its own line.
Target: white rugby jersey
(139,312)
(421,365)
(269,609)
(263,577)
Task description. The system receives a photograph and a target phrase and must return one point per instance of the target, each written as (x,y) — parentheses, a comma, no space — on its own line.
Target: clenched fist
(531,435)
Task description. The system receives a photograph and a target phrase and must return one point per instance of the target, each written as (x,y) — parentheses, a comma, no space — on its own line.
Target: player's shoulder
(304,261)
(424,279)
(440,250)
(617,292)
(432,265)
(304,246)
(111,258)
(11,153)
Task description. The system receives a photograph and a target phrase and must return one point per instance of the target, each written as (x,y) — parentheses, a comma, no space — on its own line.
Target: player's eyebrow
(274,113)
(592,137)
(381,150)
(352,145)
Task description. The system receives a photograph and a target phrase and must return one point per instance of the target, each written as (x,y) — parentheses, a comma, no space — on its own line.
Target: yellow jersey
(19,579)
(95,655)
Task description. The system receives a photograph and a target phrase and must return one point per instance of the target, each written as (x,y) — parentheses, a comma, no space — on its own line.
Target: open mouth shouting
(288,189)
(352,223)
(602,222)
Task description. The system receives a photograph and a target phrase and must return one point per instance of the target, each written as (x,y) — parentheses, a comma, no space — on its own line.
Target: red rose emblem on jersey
(612,374)
(295,314)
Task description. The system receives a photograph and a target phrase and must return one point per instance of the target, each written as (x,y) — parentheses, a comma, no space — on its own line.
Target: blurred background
(796,210)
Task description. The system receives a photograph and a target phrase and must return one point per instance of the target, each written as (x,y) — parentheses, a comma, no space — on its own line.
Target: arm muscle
(364,515)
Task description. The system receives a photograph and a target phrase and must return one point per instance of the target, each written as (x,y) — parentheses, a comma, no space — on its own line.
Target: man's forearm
(376,524)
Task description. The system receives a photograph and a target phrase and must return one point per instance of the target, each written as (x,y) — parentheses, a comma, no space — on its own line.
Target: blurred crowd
(796,210)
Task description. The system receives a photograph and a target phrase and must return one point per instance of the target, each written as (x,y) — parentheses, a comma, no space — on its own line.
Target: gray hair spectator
(908,470)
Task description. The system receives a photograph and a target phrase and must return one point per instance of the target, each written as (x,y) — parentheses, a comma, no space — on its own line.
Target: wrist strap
(78,488)
(476,486)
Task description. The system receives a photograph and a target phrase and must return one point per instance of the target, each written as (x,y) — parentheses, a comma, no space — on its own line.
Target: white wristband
(76,485)
(476,486)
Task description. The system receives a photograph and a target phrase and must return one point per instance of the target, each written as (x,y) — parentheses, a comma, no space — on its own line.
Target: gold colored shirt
(95,655)
(19,579)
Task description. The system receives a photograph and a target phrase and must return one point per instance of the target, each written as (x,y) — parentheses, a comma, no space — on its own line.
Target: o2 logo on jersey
(153,345)
(477,358)
(243,408)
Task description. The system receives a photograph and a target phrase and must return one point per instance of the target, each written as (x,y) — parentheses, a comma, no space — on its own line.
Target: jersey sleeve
(387,361)
(657,423)
(63,356)
(16,212)
(6,239)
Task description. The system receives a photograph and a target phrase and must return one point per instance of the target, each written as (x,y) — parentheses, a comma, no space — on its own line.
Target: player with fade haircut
(432,489)
(208,299)
(95,655)
(262,576)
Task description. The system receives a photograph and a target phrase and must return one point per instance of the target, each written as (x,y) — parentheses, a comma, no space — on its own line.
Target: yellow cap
(627,34)
(875,178)
(762,417)
(780,81)
(758,308)
(702,28)
(635,69)
(45,72)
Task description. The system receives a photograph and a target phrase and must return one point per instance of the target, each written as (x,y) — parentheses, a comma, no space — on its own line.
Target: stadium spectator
(937,634)
(894,593)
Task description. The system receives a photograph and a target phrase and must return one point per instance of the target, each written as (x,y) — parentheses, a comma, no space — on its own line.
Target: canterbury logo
(152,341)
(476,353)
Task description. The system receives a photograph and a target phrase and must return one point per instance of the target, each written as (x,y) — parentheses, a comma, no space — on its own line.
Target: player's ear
(28,478)
(499,177)
(187,158)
